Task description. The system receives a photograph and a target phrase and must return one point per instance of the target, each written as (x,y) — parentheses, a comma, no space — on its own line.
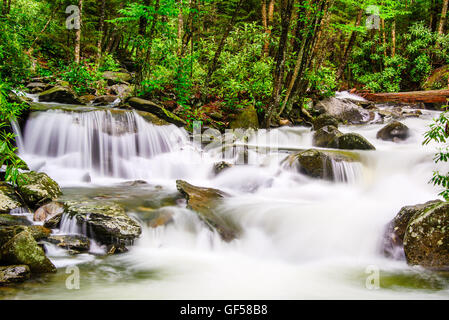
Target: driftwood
(432,96)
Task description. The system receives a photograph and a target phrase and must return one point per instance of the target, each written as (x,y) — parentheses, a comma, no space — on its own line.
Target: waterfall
(101,142)
(344,171)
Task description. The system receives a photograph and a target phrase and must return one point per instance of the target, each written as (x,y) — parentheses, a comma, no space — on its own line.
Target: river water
(302,238)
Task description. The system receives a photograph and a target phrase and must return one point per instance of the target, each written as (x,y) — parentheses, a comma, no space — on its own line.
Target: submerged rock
(219,167)
(13,220)
(14,274)
(48,211)
(59,94)
(323,121)
(426,240)
(344,110)
(394,131)
(74,243)
(395,230)
(158,218)
(204,201)
(246,119)
(104,100)
(38,189)
(159,111)
(325,135)
(23,249)
(318,164)
(9,199)
(108,221)
(351,141)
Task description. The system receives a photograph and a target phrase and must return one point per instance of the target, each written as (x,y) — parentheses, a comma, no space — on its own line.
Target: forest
(322,124)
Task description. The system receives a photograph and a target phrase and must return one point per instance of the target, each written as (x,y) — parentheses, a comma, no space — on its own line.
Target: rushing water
(302,238)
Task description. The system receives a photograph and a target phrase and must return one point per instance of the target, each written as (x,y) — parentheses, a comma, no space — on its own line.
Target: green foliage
(108,63)
(81,77)
(322,82)
(9,112)
(439,132)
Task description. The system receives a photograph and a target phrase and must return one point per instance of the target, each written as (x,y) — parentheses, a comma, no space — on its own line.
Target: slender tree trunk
(214,63)
(393,39)
(286,13)
(78,34)
(100,37)
(267,21)
(443,17)
(349,46)
(44,28)
(180,26)
(384,37)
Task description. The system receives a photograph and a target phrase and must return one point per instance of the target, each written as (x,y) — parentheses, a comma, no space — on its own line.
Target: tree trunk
(443,17)
(393,39)
(286,13)
(214,63)
(44,28)
(100,37)
(349,46)
(78,34)
(180,26)
(267,21)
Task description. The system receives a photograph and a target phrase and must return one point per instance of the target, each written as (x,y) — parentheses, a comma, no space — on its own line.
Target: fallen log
(431,96)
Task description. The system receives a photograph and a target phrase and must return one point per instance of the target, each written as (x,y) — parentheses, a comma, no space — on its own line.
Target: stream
(302,238)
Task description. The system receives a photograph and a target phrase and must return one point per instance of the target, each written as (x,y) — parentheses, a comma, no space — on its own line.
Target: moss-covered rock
(395,230)
(394,131)
(325,135)
(74,243)
(59,94)
(23,249)
(351,141)
(204,202)
(38,189)
(7,233)
(159,111)
(114,77)
(9,199)
(108,221)
(13,220)
(438,79)
(54,222)
(426,240)
(246,119)
(324,120)
(14,274)
(221,166)
(318,164)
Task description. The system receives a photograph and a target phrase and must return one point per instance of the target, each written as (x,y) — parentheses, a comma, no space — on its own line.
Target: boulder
(325,135)
(59,94)
(324,120)
(318,164)
(13,220)
(48,211)
(151,107)
(219,167)
(108,221)
(426,240)
(7,233)
(114,77)
(344,110)
(23,249)
(122,91)
(54,222)
(38,189)
(9,199)
(351,141)
(104,100)
(14,274)
(204,201)
(395,230)
(246,119)
(74,243)
(86,99)
(394,131)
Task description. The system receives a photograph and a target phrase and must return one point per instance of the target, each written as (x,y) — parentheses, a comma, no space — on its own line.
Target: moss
(246,119)
(23,249)
(38,189)
(161,112)
(13,220)
(351,141)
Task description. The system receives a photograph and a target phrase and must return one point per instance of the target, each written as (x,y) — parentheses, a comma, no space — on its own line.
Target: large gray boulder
(108,221)
(38,189)
(59,94)
(324,120)
(351,141)
(325,135)
(344,110)
(394,131)
(317,163)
